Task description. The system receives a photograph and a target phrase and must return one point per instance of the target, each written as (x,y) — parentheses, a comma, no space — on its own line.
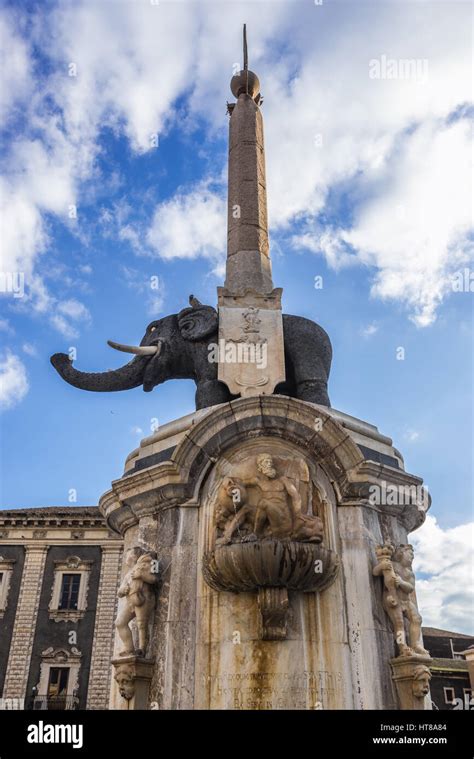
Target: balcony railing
(55,703)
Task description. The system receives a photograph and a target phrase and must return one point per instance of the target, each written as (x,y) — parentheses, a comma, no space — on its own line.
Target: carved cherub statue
(384,567)
(136,599)
(399,587)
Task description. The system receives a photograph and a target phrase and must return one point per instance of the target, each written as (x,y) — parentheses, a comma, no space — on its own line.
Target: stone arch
(293,421)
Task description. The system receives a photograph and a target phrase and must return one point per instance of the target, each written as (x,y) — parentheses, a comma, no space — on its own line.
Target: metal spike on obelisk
(251,352)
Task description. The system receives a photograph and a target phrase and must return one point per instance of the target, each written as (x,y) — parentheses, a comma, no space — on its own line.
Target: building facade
(59,570)
(59,573)
(452,682)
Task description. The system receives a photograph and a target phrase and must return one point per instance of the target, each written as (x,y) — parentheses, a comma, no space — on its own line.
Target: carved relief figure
(421,681)
(385,568)
(124,677)
(136,599)
(265,505)
(399,597)
(252,320)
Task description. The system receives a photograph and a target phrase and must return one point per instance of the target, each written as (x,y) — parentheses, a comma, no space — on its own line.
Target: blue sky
(369,187)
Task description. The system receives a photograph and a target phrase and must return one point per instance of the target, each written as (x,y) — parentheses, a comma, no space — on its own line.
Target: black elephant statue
(177,347)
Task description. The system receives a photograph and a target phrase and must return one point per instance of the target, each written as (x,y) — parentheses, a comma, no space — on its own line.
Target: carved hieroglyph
(251,350)
(136,599)
(399,601)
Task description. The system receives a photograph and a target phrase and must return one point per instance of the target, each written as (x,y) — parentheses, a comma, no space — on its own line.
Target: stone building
(59,574)
(59,570)
(452,681)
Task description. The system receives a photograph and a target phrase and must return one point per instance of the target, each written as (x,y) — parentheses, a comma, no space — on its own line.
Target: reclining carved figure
(273,511)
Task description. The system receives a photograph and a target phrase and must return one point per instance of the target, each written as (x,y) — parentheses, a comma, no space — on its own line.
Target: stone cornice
(52,516)
(305,425)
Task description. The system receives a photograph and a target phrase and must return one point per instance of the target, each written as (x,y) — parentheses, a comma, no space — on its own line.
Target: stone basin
(270,563)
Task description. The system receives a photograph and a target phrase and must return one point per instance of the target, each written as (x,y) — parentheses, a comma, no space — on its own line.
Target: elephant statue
(177,347)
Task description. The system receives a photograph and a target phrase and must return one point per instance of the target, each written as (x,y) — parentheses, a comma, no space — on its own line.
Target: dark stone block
(380,458)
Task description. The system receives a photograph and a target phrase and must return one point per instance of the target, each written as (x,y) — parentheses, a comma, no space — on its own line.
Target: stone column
(100,674)
(248,259)
(370,639)
(18,667)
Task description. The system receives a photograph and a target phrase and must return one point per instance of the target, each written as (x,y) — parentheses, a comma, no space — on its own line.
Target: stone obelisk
(265,567)
(251,353)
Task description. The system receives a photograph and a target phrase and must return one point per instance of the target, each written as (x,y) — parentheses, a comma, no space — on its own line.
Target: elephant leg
(308,359)
(211,393)
(313,391)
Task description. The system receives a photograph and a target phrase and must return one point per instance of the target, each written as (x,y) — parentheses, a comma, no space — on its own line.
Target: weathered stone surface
(251,352)
(132,675)
(244,650)
(248,262)
(270,563)
(411,675)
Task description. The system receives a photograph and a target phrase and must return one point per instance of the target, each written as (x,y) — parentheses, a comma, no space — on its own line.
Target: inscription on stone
(275,690)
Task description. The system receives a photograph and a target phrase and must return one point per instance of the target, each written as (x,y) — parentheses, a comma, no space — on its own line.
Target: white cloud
(74,309)
(445,597)
(369,330)
(391,144)
(68,314)
(14,65)
(137,430)
(189,225)
(415,233)
(65,316)
(29,349)
(412,435)
(13,381)
(330,129)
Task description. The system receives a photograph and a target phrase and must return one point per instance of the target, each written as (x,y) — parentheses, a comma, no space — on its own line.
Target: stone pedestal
(283,618)
(411,675)
(132,676)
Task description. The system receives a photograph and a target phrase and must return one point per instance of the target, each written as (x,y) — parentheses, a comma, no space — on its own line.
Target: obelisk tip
(246,82)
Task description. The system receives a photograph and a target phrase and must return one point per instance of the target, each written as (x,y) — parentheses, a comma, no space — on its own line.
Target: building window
(69,595)
(57,689)
(71,583)
(6,570)
(455,654)
(449,695)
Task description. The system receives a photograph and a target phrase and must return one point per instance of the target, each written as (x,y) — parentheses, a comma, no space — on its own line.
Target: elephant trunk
(124,378)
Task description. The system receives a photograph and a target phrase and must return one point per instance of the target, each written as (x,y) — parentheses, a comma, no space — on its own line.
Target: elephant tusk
(138,350)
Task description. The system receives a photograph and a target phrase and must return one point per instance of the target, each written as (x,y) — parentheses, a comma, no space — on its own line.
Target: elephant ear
(198,322)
